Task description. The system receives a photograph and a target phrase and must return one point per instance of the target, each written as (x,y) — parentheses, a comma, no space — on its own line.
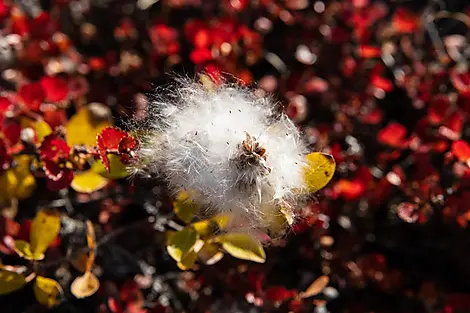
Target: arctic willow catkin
(230,148)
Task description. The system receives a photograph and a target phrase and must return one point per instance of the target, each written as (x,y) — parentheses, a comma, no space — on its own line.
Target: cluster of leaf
(63,153)
(45,228)
(381,85)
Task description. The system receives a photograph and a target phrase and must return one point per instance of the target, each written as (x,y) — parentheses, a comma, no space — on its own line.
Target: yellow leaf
(26,181)
(23,249)
(48,292)
(184,206)
(242,246)
(83,259)
(17,182)
(9,182)
(180,243)
(85,285)
(11,281)
(207,82)
(206,228)
(316,287)
(221,220)
(91,242)
(188,261)
(88,182)
(42,130)
(210,253)
(117,168)
(83,128)
(44,228)
(319,171)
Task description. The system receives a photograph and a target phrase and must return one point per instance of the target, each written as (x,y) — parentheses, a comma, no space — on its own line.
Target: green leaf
(184,206)
(11,281)
(118,169)
(242,246)
(47,291)
(182,242)
(319,171)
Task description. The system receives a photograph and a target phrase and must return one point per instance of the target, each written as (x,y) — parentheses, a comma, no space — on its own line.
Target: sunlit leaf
(26,181)
(44,229)
(221,220)
(319,171)
(48,292)
(11,281)
(88,182)
(461,150)
(206,228)
(85,285)
(184,206)
(117,168)
(82,128)
(188,261)
(316,287)
(242,246)
(109,138)
(210,253)
(42,130)
(23,249)
(392,135)
(181,243)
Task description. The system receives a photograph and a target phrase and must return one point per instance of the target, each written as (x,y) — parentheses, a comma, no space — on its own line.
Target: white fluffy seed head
(238,155)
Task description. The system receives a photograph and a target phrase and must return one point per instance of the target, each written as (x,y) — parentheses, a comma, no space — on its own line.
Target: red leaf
(55,117)
(130,292)
(368,52)
(381,83)
(11,130)
(53,149)
(393,134)
(5,105)
(52,170)
(111,137)
(55,88)
(200,55)
(461,150)
(404,21)
(114,307)
(349,190)
(278,293)
(5,158)
(202,38)
(128,144)
(62,182)
(32,95)
(438,110)
(373,117)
